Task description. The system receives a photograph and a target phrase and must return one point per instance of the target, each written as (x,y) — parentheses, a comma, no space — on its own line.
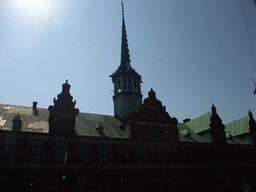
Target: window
(82,152)
(138,83)
(172,154)
(133,154)
(36,149)
(81,180)
(103,153)
(124,84)
(123,156)
(123,182)
(129,83)
(200,155)
(60,151)
(9,149)
(95,152)
(153,113)
(62,124)
(115,87)
(186,154)
(119,84)
(141,154)
(155,132)
(140,133)
(135,85)
(158,154)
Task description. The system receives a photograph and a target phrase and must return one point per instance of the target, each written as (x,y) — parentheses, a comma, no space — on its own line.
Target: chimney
(35,111)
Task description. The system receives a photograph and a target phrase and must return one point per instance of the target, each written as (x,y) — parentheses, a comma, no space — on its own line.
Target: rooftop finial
(122,8)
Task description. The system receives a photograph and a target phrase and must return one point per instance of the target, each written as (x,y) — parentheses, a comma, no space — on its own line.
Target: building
(140,148)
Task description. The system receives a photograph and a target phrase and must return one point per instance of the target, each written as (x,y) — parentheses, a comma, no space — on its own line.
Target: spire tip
(122,8)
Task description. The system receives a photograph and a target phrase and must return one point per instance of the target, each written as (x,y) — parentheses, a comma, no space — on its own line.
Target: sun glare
(31,4)
(33,9)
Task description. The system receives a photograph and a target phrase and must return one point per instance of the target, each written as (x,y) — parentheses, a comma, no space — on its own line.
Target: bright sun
(33,9)
(31,4)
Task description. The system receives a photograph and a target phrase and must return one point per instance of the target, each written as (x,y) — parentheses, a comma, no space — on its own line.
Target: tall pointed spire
(125,56)
(125,66)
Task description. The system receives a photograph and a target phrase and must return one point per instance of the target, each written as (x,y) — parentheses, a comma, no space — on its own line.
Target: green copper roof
(238,127)
(186,131)
(86,124)
(201,123)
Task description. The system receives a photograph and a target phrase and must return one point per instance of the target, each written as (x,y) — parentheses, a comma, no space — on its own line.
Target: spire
(125,56)
(122,8)
(125,66)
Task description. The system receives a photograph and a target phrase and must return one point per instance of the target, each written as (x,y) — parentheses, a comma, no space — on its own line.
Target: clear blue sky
(192,53)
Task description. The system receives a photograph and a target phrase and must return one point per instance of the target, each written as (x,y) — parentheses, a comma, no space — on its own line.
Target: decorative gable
(152,122)
(63,113)
(218,134)
(252,128)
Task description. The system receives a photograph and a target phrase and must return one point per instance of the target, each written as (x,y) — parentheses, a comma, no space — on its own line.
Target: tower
(127,93)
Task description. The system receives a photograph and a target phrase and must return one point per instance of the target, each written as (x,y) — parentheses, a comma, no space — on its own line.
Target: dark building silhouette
(140,148)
